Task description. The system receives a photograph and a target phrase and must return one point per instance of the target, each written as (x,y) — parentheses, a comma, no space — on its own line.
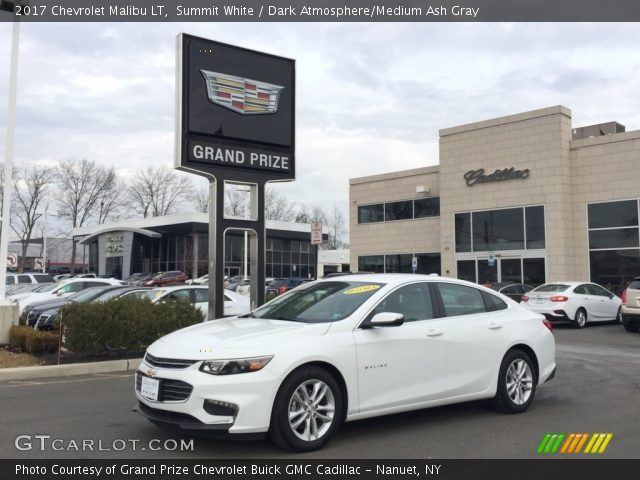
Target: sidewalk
(48,371)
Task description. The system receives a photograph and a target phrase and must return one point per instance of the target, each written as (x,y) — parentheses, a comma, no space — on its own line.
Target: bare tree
(278,206)
(236,200)
(82,184)
(200,200)
(111,199)
(29,194)
(336,229)
(159,191)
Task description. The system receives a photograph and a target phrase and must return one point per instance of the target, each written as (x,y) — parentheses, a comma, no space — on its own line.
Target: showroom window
(398,211)
(401,210)
(517,228)
(400,263)
(371,213)
(614,243)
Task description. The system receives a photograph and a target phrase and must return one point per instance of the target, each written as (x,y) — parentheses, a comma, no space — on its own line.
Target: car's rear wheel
(632,329)
(580,320)
(516,383)
(307,410)
(619,315)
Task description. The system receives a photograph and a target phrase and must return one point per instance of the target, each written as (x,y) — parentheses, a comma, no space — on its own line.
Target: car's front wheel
(516,383)
(307,410)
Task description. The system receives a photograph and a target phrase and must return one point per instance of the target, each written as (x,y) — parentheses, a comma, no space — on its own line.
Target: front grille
(167,362)
(167,416)
(32,316)
(170,390)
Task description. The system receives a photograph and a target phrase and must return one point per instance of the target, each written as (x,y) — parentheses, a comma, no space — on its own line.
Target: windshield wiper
(247,315)
(288,319)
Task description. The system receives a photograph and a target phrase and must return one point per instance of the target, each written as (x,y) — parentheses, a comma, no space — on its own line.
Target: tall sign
(235,123)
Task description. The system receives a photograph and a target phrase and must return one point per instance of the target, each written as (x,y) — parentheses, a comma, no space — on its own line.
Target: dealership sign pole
(235,125)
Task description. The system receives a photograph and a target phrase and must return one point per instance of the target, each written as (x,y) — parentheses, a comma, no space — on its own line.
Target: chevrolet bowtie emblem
(152,372)
(242,95)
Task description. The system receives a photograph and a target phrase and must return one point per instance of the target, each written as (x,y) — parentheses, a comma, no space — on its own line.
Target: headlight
(237,365)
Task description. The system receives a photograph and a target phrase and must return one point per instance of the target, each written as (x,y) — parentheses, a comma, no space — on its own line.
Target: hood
(48,304)
(233,336)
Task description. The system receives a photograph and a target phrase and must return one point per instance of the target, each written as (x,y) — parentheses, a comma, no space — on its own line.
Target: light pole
(8,163)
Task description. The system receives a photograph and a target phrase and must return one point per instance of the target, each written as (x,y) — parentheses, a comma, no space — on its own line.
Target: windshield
(87,294)
(154,294)
(48,288)
(319,302)
(551,287)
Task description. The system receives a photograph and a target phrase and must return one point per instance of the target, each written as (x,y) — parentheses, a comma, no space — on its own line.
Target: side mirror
(386,319)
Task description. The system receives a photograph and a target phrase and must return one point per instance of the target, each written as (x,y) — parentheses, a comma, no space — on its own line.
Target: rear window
(24,279)
(635,284)
(551,287)
(43,278)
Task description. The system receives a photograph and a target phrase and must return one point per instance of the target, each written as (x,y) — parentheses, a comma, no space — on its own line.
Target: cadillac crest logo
(242,95)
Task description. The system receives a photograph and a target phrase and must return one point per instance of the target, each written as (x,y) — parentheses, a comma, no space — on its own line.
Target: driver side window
(412,301)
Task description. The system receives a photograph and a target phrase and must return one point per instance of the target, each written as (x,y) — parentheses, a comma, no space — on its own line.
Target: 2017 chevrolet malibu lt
(344,349)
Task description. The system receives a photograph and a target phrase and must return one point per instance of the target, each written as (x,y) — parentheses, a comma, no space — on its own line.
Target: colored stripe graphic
(573,443)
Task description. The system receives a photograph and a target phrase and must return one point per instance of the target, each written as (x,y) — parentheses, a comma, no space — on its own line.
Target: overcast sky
(370,97)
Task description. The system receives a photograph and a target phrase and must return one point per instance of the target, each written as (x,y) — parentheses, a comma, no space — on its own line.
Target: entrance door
(530,271)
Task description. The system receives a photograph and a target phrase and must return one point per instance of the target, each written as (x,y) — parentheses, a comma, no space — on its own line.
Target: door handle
(433,332)
(494,326)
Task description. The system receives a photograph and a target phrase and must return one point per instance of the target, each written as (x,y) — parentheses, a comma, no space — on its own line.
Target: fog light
(223,409)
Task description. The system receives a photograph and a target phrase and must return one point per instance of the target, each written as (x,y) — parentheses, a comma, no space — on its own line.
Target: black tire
(503,401)
(631,329)
(619,315)
(281,430)
(580,320)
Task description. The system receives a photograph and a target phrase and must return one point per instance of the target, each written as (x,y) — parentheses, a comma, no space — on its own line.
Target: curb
(49,371)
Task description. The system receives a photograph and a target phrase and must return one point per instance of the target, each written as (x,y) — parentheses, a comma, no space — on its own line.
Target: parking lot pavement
(597,389)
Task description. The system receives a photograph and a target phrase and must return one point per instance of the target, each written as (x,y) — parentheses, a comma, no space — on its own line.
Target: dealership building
(522,198)
(181,242)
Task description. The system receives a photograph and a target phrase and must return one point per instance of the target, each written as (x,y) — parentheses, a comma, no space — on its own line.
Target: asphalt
(597,389)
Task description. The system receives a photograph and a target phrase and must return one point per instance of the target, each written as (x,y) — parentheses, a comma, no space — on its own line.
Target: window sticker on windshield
(363,289)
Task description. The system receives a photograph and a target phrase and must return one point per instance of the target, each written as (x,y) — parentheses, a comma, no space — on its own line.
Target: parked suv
(163,279)
(631,306)
(13,278)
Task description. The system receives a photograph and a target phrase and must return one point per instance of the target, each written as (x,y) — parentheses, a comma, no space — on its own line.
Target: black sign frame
(233,136)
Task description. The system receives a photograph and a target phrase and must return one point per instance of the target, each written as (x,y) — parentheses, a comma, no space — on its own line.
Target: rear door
(585,298)
(475,330)
(606,306)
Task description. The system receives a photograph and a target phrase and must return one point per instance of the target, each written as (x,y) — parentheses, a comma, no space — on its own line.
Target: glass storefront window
(398,263)
(463,233)
(614,238)
(535,227)
(534,272)
(428,263)
(511,270)
(467,270)
(613,214)
(613,269)
(371,263)
(371,213)
(398,211)
(498,230)
(426,207)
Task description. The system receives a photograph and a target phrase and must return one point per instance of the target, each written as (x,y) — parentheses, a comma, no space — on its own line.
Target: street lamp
(9,6)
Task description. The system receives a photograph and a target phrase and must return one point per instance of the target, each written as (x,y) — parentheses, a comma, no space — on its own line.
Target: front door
(404,364)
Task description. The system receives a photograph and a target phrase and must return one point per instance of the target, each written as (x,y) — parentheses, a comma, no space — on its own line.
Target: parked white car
(573,302)
(344,349)
(60,290)
(203,280)
(198,295)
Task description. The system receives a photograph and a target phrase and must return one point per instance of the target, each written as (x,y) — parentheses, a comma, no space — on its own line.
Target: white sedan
(573,302)
(344,349)
(198,295)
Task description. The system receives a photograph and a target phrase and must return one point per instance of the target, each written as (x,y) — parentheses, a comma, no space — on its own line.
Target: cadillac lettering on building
(478,176)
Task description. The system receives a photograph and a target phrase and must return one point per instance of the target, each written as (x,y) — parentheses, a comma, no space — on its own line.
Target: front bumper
(252,395)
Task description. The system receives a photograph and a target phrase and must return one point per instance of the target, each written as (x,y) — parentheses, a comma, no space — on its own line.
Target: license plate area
(150,388)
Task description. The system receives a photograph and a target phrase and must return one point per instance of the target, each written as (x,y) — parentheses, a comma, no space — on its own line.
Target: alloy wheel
(581,318)
(311,410)
(519,381)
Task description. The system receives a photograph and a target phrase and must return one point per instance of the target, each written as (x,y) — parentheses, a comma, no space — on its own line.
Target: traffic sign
(414,264)
(316,233)
(12,260)
(38,263)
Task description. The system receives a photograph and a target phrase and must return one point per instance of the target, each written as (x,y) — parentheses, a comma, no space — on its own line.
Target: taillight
(282,290)
(525,298)
(547,324)
(624,296)
(559,298)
